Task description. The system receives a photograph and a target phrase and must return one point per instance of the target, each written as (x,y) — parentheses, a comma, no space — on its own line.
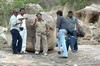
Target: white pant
(24,39)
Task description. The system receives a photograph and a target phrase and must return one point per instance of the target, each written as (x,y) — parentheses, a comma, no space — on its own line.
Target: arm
(34,24)
(58,23)
(21,19)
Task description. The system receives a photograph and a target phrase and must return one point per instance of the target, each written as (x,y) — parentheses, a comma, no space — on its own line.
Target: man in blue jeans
(14,29)
(72,37)
(62,27)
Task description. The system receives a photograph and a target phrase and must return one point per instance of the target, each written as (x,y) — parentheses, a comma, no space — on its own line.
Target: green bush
(6,8)
(75,4)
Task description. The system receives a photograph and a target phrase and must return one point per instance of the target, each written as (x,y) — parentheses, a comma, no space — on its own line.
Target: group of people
(66,32)
(19,32)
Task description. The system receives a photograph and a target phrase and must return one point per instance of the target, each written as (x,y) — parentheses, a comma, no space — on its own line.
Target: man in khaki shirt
(41,33)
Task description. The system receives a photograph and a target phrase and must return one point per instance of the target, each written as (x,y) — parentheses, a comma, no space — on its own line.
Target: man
(23,30)
(62,28)
(14,29)
(72,37)
(41,33)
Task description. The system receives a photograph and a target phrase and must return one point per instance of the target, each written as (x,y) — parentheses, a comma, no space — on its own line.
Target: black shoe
(59,52)
(63,57)
(15,52)
(74,51)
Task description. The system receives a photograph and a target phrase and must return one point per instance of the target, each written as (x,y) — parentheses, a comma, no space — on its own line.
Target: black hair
(60,13)
(70,12)
(38,14)
(22,9)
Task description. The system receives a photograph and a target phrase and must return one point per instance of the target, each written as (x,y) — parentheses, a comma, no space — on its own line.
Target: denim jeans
(16,41)
(72,41)
(62,41)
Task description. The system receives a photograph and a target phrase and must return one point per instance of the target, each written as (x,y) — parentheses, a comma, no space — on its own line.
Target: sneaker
(45,54)
(23,52)
(37,53)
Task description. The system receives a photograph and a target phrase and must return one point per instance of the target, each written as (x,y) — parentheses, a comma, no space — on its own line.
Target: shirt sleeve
(58,23)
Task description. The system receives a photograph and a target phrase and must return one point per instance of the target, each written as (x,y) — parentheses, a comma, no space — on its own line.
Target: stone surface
(89,13)
(88,55)
(3,38)
(31,31)
(33,8)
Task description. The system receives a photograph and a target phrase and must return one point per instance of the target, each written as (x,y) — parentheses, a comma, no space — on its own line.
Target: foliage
(6,8)
(75,4)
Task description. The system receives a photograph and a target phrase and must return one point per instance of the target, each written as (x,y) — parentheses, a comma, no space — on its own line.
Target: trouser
(16,40)
(72,41)
(42,37)
(24,38)
(62,41)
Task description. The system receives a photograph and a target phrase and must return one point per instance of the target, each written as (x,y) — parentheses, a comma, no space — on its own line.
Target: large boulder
(33,8)
(89,14)
(3,38)
(31,31)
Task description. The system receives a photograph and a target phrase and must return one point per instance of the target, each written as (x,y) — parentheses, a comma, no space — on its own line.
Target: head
(15,12)
(39,16)
(59,13)
(70,14)
(22,11)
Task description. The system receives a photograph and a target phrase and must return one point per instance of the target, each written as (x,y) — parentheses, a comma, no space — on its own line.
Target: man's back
(62,23)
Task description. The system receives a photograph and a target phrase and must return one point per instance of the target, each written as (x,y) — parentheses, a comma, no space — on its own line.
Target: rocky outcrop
(3,38)
(90,14)
(33,8)
(31,31)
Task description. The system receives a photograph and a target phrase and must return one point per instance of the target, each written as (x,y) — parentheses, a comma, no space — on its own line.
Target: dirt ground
(88,55)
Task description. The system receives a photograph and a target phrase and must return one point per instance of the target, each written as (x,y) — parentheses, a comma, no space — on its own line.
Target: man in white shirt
(23,31)
(14,29)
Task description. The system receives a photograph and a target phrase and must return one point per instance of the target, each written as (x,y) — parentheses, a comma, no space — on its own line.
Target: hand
(36,19)
(57,35)
(25,18)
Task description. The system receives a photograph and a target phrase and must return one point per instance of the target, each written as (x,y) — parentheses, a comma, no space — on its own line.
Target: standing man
(73,25)
(14,29)
(23,30)
(62,28)
(41,33)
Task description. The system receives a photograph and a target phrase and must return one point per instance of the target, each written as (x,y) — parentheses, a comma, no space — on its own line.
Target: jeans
(72,41)
(62,41)
(16,41)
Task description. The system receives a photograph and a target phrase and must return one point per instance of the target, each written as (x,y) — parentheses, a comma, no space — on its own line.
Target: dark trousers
(16,40)
(71,41)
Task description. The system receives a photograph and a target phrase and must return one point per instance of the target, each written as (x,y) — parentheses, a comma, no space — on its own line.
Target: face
(22,12)
(15,12)
(39,17)
(70,15)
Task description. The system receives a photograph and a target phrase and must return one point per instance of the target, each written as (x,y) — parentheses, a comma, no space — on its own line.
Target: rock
(31,31)
(3,38)
(89,14)
(33,8)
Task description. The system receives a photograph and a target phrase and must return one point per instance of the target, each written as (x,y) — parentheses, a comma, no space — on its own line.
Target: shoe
(15,52)
(74,51)
(45,54)
(37,53)
(63,57)
(23,52)
(59,52)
